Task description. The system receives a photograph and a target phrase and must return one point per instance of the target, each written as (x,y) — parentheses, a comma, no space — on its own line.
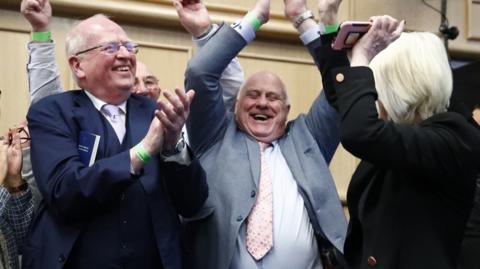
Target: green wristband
(253,20)
(41,36)
(331,28)
(142,153)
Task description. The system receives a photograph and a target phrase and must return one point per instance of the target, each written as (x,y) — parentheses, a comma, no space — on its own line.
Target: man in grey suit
(300,210)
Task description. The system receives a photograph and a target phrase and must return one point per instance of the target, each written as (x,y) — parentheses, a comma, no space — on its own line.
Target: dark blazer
(74,194)
(411,195)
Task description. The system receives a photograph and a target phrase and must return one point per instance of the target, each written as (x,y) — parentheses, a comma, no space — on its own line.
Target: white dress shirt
(294,243)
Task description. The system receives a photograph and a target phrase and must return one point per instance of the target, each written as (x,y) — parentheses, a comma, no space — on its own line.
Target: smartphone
(349,33)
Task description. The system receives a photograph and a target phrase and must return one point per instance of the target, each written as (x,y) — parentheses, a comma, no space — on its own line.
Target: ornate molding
(157,13)
(259,56)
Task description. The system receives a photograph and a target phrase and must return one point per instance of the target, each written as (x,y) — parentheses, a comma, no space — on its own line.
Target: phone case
(349,33)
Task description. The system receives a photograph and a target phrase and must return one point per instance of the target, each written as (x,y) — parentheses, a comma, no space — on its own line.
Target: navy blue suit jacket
(74,194)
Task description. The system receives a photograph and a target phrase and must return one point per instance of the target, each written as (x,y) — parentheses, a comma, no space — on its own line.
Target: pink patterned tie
(260,221)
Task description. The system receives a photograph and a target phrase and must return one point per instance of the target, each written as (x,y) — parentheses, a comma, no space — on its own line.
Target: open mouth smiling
(260,117)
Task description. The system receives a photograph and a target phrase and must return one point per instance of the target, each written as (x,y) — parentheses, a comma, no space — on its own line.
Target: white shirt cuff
(245,29)
(310,35)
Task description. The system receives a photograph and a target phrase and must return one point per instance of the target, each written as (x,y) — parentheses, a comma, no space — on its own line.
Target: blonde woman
(411,195)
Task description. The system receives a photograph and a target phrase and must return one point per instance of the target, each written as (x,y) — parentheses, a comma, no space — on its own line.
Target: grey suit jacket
(231,159)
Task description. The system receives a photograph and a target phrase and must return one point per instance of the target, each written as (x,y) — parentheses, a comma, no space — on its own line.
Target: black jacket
(410,197)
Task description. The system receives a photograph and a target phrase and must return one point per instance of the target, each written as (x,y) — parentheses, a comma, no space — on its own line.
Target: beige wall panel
(166,62)
(474,19)
(421,18)
(13,80)
(418,16)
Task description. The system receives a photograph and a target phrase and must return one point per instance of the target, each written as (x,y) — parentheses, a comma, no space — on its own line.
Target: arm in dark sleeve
(327,59)
(322,119)
(441,146)
(187,186)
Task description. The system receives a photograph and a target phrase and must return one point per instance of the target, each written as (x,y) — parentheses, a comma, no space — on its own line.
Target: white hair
(413,77)
(75,40)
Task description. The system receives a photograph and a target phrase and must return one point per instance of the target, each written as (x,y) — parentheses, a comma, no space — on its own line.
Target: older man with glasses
(122,210)
(146,83)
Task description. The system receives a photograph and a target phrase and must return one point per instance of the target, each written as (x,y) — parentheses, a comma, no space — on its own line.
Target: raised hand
(173,115)
(193,16)
(3,159)
(293,8)
(328,11)
(38,14)
(262,10)
(152,143)
(384,31)
(14,163)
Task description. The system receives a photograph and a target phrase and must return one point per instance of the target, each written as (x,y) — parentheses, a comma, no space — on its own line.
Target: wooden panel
(166,62)
(417,15)
(474,19)
(14,99)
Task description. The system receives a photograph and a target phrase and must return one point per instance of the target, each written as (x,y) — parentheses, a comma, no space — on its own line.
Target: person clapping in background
(16,199)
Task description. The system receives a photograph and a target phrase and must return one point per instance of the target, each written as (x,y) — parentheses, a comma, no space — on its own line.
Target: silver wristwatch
(303,17)
(178,148)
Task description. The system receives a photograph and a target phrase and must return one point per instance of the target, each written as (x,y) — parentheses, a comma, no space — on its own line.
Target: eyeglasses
(24,135)
(113,47)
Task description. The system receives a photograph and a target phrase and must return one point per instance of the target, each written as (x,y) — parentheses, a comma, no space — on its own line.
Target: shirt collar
(99,103)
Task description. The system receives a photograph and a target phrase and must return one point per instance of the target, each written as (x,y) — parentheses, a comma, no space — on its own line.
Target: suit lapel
(253,150)
(86,115)
(88,119)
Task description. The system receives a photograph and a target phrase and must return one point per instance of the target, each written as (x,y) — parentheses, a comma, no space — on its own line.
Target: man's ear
(76,67)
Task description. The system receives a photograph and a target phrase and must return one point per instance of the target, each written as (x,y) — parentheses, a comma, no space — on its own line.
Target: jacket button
(61,258)
(252,194)
(340,77)
(371,261)
(240,218)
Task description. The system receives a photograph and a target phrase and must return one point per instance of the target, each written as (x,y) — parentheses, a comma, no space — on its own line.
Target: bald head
(265,76)
(262,107)
(146,83)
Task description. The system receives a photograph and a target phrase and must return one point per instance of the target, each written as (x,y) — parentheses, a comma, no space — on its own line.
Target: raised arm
(208,114)
(322,120)
(197,22)
(43,75)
